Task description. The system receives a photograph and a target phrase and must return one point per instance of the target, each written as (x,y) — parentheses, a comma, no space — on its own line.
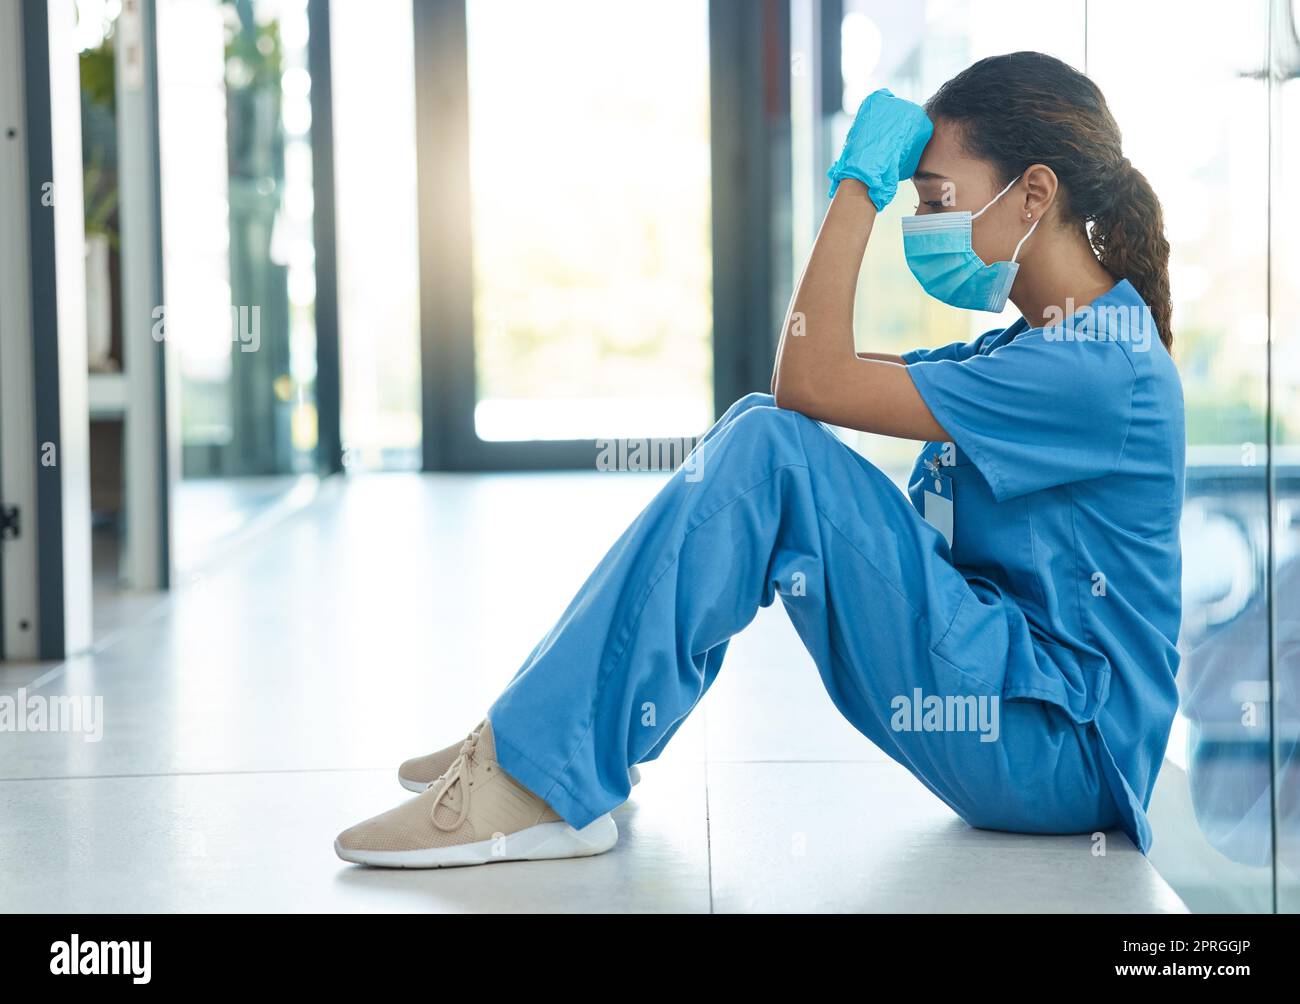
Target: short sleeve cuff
(932,395)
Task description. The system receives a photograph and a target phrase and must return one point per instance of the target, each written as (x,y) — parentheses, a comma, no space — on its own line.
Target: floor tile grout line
(704,762)
(198,773)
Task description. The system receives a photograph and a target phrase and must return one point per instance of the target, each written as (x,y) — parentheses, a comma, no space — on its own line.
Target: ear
(1040,192)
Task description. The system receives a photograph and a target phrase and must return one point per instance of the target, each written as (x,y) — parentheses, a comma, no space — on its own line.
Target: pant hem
(545,785)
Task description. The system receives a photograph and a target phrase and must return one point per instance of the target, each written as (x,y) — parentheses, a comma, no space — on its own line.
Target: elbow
(805,372)
(790,394)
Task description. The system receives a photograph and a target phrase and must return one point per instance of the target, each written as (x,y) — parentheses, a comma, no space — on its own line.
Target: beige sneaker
(475,814)
(419,773)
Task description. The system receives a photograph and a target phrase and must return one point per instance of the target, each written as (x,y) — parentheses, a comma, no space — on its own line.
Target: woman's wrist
(851,191)
(852,209)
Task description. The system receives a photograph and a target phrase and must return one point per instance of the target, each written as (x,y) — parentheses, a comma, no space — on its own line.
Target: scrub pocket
(990,640)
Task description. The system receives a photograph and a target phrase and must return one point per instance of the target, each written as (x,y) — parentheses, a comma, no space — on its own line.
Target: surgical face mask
(938,251)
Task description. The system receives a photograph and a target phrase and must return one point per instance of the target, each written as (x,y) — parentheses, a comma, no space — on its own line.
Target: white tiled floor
(265,706)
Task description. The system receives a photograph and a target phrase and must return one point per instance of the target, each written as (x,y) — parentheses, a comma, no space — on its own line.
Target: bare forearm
(818,329)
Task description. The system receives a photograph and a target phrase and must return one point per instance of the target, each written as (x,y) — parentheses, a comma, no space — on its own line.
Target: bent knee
(749,402)
(764,418)
(762,435)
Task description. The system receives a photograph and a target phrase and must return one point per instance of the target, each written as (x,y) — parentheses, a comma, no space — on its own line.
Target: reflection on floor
(211,516)
(265,706)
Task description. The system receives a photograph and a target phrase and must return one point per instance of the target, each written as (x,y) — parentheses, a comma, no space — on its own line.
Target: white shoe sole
(633,774)
(542,842)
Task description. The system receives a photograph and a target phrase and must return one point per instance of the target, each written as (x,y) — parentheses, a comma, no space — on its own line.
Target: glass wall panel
(1206,155)
(1284,216)
(97,28)
(373,71)
(239,261)
(592,300)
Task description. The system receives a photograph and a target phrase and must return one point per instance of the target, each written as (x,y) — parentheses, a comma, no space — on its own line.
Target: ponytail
(1129,239)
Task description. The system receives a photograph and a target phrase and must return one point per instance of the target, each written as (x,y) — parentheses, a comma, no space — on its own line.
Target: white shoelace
(457,773)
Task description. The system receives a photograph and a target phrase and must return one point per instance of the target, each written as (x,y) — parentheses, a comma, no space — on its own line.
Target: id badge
(938,503)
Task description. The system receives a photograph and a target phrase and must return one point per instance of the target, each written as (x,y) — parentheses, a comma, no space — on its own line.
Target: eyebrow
(928,176)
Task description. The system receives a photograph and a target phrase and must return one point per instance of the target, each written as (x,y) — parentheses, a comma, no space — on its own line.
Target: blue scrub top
(1067,483)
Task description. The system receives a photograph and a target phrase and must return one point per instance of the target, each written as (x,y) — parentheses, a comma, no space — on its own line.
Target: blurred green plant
(98,80)
(99,138)
(254,52)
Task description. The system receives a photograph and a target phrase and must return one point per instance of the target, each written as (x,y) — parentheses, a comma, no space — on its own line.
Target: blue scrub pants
(773,503)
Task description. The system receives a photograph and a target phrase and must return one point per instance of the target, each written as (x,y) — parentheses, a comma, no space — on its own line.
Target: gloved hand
(883,146)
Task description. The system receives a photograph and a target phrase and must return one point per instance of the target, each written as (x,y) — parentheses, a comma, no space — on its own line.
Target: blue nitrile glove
(883,146)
